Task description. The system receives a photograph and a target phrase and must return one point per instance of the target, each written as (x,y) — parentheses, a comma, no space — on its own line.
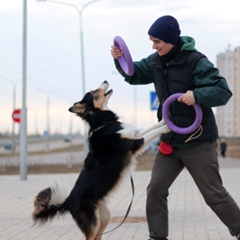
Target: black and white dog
(111,157)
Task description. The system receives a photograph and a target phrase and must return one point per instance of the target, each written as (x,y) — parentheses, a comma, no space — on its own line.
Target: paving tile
(190,218)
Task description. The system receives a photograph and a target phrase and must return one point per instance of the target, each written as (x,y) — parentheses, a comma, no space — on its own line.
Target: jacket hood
(188,43)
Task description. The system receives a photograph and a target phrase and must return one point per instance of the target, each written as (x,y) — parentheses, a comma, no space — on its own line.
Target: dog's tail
(48,203)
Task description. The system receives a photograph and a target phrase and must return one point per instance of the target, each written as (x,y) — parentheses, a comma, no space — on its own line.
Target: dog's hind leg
(88,220)
(104,217)
(93,232)
(96,228)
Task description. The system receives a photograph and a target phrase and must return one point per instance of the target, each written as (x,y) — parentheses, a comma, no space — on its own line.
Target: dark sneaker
(238,236)
(164,238)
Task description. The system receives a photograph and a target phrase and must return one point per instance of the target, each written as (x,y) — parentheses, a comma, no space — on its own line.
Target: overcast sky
(54,63)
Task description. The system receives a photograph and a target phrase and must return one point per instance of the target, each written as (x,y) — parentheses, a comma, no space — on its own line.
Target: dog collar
(95,130)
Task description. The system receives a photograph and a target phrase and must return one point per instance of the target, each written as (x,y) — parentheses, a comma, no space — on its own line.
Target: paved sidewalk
(190,218)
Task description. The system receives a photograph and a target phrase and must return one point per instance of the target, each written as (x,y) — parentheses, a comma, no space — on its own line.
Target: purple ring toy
(169,123)
(125,60)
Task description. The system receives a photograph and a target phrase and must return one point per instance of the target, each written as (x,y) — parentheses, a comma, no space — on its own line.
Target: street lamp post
(48,125)
(23,124)
(47,131)
(80,12)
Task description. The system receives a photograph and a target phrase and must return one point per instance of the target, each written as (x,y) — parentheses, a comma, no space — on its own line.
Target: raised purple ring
(125,60)
(169,123)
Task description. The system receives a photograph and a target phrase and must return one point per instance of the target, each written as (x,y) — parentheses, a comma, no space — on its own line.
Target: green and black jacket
(189,70)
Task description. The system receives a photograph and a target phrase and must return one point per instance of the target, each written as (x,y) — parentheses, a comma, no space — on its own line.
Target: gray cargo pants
(202,163)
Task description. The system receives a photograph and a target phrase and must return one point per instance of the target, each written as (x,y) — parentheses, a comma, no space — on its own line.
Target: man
(223,147)
(178,67)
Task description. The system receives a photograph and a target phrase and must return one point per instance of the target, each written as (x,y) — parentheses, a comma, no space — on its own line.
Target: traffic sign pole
(16,116)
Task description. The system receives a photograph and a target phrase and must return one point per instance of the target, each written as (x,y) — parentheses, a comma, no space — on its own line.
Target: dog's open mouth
(104,86)
(108,92)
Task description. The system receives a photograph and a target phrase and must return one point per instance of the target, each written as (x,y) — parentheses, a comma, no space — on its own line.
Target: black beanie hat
(166,28)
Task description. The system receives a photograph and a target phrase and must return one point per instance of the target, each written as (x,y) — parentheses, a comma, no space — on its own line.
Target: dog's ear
(81,106)
(77,108)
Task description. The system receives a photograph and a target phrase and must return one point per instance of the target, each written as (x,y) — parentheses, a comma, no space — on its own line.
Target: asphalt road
(73,157)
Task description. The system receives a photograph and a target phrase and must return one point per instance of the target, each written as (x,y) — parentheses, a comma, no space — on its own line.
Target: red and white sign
(16,115)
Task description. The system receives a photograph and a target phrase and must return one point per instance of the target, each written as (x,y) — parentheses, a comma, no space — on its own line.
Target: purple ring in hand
(169,123)
(125,60)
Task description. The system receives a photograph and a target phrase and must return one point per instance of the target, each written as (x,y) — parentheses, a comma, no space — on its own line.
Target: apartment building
(228,116)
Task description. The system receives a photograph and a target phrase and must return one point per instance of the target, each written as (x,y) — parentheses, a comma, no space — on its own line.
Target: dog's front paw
(165,129)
